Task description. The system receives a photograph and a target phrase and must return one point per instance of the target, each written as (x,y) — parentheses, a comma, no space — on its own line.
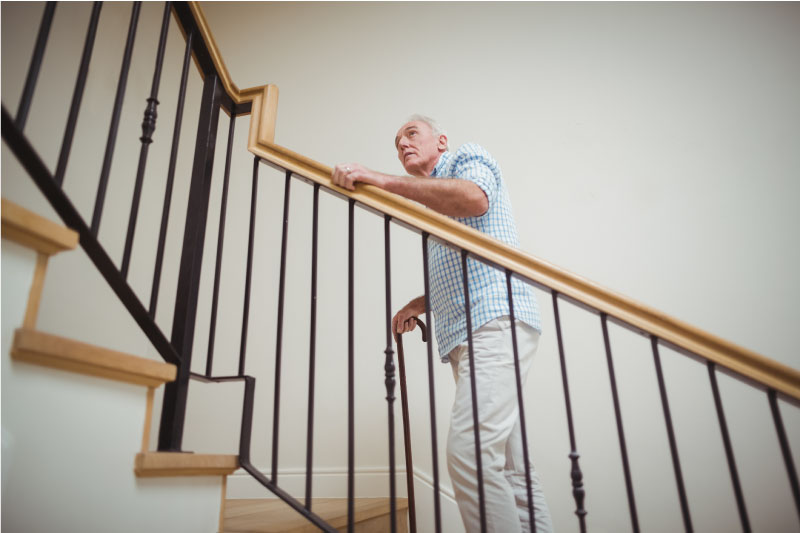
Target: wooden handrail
(674,332)
(643,318)
(239,96)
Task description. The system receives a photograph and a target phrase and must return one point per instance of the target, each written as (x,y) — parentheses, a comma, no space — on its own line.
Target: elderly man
(468,186)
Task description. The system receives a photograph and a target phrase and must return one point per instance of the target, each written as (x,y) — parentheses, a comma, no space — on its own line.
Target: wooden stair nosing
(66,354)
(34,231)
(168,464)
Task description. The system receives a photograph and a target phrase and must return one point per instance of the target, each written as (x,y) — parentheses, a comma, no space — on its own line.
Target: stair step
(274,516)
(39,348)
(33,231)
(169,464)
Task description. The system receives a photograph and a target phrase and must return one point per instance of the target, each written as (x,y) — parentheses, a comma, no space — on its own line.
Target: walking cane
(406,429)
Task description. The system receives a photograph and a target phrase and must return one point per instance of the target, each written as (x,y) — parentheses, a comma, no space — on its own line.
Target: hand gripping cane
(406,429)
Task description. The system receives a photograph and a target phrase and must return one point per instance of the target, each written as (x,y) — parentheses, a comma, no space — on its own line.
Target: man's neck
(428,170)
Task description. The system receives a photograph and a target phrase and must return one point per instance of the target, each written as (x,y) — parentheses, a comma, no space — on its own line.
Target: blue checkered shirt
(488,293)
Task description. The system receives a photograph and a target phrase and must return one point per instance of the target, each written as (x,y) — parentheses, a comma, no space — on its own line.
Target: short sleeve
(475,164)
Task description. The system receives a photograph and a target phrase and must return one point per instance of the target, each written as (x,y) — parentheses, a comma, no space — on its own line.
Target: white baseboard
(446,491)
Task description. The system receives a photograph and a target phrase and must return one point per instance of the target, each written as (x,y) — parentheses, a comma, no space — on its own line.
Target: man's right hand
(404,321)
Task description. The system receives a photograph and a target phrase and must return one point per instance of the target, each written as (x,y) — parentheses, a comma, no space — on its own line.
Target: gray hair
(435,127)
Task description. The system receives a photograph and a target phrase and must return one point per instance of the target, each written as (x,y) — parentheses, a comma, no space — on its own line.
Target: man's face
(418,149)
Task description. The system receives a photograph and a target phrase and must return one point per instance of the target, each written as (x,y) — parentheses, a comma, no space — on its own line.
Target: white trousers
(504,485)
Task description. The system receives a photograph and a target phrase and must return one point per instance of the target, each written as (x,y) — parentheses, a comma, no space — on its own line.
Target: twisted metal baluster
(577,476)
(620,431)
(390,372)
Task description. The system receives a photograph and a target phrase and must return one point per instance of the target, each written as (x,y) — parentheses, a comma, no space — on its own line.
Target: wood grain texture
(39,348)
(273,515)
(755,367)
(34,231)
(169,464)
(222,504)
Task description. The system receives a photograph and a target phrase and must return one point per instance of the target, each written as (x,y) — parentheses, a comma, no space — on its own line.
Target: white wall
(649,148)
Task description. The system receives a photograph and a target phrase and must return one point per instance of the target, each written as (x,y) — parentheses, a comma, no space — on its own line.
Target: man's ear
(442,146)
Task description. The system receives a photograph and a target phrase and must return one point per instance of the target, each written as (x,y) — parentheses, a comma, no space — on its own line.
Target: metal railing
(178,349)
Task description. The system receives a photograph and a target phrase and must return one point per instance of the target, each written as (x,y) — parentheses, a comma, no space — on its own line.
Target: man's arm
(404,321)
(448,196)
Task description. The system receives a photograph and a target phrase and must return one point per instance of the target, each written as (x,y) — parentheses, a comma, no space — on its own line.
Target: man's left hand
(346,175)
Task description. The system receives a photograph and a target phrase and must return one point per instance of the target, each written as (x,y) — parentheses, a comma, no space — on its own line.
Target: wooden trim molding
(34,231)
(39,348)
(169,464)
(239,96)
(35,294)
(148,418)
(644,319)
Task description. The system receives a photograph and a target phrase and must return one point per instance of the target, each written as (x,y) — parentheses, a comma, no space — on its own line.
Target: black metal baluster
(184,319)
(577,476)
(726,440)
(35,66)
(77,95)
(279,336)
(148,127)
(246,431)
(173,158)
(44,180)
(473,390)
(249,272)
(212,328)
(523,430)
(389,368)
(620,431)
(312,346)
(434,439)
(785,450)
(114,126)
(350,369)
(676,464)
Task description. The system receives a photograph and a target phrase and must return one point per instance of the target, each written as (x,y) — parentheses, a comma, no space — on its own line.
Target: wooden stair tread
(34,231)
(272,515)
(169,464)
(35,347)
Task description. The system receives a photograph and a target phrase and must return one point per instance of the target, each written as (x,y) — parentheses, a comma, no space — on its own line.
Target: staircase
(30,240)
(72,411)
(110,467)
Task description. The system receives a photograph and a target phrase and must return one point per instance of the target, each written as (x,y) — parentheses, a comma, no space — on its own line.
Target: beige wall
(650,148)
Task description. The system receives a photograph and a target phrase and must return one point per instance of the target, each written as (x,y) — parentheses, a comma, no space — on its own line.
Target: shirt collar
(440,164)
